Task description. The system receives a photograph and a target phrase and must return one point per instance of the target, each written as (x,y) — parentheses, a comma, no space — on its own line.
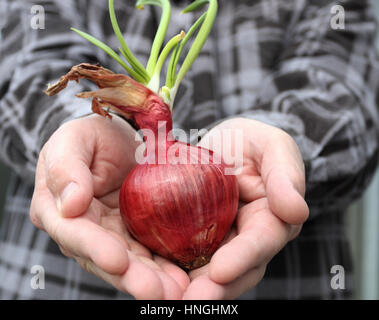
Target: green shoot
(109,51)
(137,66)
(161,32)
(200,38)
(150,76)
(155,79)
(171,77)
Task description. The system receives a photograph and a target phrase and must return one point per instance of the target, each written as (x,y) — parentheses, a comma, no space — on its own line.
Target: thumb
(283,173)
(285,195)
(68,156)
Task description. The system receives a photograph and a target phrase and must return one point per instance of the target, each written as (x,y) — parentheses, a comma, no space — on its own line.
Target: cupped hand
(272,186)
(79,174)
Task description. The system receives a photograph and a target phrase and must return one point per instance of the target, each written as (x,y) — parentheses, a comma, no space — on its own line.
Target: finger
(284,178)
(280,164)
(295,231)
(116,144)
(261,236)
(138,280)
(111,200)
(65,252)
(87,239)
(115,226)
(251,186)
(173,271)
(203,288)
(205,268)
(40,193)
(34,210)
(284,199)
(171,288)
(88,157)
(81,237)
(67,158)
(141,280)
(148,280)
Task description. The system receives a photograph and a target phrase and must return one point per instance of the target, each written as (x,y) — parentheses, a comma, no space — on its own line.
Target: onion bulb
(183,207)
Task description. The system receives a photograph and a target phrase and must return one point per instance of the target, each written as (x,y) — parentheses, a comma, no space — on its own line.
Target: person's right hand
(79,174)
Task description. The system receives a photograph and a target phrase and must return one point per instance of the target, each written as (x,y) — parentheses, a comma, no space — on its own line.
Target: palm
(270,168)
(256,229)
(108,173)
(89,227)
(90,157)
(105,213)
(104,209)
(251,188)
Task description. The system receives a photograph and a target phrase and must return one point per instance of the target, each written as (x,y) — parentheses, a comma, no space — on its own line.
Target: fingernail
(70,189)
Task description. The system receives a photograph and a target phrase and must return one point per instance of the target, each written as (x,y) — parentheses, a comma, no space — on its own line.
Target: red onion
(183,207)
(180,211)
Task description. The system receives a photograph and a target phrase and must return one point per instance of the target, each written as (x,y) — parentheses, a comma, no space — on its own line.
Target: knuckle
(85,264)
(298,181)
(35,219)
(65,252)
(54,167)
(34,214)
(55,234)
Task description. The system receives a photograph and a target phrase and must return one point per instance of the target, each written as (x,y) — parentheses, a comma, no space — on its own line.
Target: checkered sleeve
(322,91)
(275,61)
(30,59)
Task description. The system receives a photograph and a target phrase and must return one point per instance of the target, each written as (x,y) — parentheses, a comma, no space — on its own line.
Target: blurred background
(363,230)
(362,223)
(4,177)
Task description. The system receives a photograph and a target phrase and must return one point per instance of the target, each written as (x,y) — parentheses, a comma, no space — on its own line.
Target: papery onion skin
(180,211)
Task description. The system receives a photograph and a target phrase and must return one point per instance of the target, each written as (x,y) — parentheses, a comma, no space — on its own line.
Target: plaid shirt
(279,62)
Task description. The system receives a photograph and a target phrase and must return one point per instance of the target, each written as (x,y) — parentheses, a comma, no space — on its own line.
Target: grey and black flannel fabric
(275,61)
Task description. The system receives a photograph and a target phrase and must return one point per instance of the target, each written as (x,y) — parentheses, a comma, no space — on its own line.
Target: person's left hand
(272,210)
